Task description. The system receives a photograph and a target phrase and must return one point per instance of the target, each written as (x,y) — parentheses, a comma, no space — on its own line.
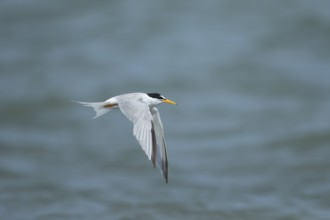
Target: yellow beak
(169,101)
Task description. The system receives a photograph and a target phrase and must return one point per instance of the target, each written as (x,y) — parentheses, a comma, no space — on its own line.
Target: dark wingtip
(164,161)
(165,164)
(154,145)
(165,169)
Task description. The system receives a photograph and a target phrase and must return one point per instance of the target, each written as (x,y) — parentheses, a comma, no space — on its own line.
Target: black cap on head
(156,96)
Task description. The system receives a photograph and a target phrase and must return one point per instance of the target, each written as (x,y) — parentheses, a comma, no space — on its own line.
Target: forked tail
(99,107)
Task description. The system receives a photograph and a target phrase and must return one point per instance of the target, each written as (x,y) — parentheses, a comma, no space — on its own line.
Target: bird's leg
(110,105)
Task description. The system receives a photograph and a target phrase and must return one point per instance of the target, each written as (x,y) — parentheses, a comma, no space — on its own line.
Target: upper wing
(139,114)
(161,152)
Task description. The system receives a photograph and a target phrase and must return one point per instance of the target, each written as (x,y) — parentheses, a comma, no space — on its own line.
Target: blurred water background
(249,139)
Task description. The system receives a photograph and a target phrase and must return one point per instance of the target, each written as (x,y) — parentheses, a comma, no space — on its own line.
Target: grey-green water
(250,138)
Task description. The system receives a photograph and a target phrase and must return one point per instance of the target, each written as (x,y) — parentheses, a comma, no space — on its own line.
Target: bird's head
(158,98)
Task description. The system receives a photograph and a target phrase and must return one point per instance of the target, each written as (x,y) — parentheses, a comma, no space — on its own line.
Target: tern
(140,109)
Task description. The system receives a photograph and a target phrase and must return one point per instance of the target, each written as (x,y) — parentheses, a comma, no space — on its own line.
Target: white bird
(140,109)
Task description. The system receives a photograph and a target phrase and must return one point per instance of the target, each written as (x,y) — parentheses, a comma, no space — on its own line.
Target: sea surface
(248,140)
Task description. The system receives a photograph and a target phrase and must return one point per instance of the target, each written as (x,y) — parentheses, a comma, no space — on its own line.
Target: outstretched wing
(148,130)
(161,152)
(139,114)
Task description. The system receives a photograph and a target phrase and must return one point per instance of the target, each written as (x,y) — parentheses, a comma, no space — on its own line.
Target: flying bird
(140,109)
